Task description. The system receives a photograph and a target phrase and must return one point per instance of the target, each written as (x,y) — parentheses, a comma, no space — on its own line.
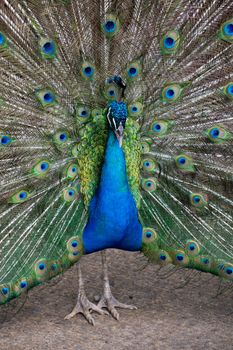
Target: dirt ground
(171,314)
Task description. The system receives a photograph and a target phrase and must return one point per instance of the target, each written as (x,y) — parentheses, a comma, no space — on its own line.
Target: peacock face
(117,114)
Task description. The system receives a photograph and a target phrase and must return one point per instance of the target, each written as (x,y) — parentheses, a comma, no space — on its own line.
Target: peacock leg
(84,306)
(107,300)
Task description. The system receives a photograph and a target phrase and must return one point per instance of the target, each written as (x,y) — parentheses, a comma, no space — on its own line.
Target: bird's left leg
(107,300)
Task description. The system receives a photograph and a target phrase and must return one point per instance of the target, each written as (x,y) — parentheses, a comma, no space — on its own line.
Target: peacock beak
(120,134)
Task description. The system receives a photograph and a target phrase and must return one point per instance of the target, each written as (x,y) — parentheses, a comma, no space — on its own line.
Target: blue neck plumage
(113,176)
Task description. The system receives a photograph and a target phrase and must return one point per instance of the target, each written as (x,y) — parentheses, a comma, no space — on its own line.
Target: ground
(171,314)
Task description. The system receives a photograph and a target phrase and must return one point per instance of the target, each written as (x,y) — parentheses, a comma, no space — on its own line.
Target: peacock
(115,132)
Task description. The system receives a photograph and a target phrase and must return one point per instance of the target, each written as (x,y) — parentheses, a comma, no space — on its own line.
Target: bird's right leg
(84,306)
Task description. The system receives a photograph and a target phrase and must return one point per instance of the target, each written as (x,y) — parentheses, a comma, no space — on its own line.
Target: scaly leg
(84,306)
(107,300)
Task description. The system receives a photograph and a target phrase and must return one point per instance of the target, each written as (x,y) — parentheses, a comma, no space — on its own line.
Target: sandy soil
(169,316)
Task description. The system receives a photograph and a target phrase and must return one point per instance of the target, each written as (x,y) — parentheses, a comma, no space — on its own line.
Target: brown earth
(171,314)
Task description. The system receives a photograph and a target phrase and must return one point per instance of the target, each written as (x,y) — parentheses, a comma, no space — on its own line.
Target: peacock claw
(85,307)
(110,303)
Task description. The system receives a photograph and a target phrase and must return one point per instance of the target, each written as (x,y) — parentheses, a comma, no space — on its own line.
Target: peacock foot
(85,307)
(110,303)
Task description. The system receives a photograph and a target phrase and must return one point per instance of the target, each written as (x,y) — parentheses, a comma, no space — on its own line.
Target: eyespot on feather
(149,235)
(72,171)
(180,258)
(133,70)
(111,25)
(226,31)
(5,140)
(149,165)
(48,48)
(149,184)
(164,258)
(61,138)
(21,286)
(19,197)
(5,293)
(170,42)
(172,92)
(70,194)
(160,128)
(192,248)
(184,163)
(83,113)
(217,134)
(41,168)
(3,41)
(41,269)
(227,90)
(198,200)
(46,97)
(135,109)
(87,70)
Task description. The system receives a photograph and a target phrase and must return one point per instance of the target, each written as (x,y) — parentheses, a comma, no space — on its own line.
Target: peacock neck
(113,176)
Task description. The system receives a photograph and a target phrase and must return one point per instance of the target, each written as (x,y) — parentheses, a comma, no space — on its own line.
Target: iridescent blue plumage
(113,218)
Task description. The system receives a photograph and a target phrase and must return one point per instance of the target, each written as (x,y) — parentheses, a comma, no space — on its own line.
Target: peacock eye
(23,284)
(171,93)
(19,197)
(72,171)
(149,185)
(225,269)
(41,269)
(54,268)
(3,41)
(5,293)
(170,42)
(47,48)
(5,140)
(204,262)
(135,109)
(83,113)
(230,89)
(110,92)
(160,128)
(149,235)
(96,112)
(229,270)
(134,70)
(198,200)
(111,26)
(184,163)
(181,258)
(5,290)
(149,165)
(88,70)
(41,168)
(226,31)
(47,98)
(74,245)
(70,194)
(61,138)
(145,147)
(217,134)
(164,257)
(192,248)
(227,90)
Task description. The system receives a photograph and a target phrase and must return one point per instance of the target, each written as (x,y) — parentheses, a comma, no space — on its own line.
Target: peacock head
(117,111)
